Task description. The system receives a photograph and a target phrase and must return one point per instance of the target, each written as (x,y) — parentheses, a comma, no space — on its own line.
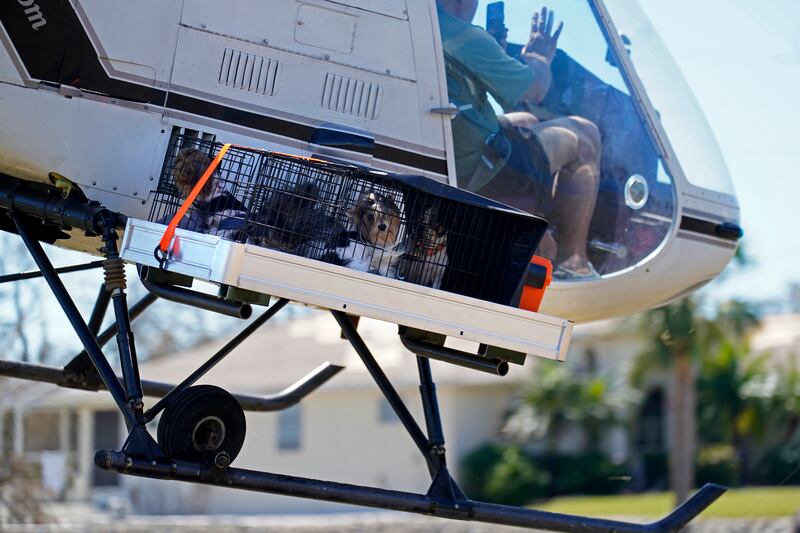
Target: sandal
(563,272)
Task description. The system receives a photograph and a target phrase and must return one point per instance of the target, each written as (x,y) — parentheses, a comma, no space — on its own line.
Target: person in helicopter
(548,167)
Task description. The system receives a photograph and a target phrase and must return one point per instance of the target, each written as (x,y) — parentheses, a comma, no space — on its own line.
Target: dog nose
(382,227)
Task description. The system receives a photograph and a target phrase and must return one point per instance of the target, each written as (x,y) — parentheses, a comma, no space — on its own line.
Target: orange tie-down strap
(169,233)
(166,239)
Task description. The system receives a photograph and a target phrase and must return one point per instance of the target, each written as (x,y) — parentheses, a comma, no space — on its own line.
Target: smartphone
(495,14)
(496,25)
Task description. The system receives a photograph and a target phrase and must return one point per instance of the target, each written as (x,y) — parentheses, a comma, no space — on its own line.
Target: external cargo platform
(312,282)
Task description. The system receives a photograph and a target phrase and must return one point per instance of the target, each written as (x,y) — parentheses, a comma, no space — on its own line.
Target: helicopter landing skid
(443,499)
(142,456)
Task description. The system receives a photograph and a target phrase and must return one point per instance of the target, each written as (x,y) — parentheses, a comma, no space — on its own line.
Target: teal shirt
(477,65)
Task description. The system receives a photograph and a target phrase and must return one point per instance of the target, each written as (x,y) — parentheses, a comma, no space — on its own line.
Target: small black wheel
(204,424)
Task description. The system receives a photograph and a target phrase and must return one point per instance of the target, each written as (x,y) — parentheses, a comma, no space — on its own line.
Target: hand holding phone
(495,23)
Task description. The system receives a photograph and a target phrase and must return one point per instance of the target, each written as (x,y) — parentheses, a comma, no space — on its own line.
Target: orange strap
(170,231)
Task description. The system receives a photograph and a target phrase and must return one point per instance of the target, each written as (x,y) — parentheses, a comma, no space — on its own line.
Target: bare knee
(589,138)
(522,119)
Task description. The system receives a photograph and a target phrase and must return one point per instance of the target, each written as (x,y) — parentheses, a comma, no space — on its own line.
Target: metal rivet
(265,41)
(135,193)
(94,183)
(114,188)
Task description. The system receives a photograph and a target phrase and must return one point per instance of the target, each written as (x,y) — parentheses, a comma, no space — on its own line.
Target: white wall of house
(343,438)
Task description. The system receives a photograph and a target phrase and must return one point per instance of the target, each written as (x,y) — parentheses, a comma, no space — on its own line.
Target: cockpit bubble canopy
(610,208)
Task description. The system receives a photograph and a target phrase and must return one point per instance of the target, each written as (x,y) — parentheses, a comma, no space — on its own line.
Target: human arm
(538,54)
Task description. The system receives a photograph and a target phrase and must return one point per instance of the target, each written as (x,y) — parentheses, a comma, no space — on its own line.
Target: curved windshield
(680,115)
(553,130)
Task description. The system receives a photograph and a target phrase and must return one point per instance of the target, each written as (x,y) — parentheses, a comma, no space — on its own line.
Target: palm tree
(675,336)
(679,340)
(733,410)
(558,398)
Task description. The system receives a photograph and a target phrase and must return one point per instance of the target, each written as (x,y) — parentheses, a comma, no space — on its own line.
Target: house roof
(284,351)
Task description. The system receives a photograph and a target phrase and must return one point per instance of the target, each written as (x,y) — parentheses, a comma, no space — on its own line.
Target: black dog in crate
(425,259)
(215,210)
(293,219)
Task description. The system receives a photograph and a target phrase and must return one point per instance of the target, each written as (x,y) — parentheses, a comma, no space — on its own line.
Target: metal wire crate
(408,228)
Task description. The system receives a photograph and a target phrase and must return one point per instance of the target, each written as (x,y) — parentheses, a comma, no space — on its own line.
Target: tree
(675,337)
(733,410)
(557,398)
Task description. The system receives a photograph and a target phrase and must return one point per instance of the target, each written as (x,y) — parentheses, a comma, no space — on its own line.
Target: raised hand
(543,42)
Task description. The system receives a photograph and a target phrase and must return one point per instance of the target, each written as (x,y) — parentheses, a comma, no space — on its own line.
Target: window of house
(41,432)
(289,429)
(386,414)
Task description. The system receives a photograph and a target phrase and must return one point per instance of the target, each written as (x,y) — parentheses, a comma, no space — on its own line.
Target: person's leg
(573,147)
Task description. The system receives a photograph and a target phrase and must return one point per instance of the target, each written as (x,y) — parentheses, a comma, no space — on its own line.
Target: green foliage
(732,404)
(779,466)
(515,480)
(717,464)
(476,467)
(506,474)
(591,473)
(557,398)
(669,331)
(502,474)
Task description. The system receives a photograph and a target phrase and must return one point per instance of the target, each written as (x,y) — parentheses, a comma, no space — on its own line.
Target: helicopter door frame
(445,109)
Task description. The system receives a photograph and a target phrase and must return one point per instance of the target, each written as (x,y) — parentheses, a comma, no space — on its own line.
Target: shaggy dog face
(377,219)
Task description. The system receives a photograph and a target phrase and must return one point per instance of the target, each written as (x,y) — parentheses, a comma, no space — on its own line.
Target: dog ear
(390,203)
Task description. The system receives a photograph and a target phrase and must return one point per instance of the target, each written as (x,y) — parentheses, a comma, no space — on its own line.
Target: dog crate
(446,262)
(407,228)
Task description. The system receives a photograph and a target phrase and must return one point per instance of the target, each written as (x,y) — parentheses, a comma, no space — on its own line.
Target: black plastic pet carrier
(408,228)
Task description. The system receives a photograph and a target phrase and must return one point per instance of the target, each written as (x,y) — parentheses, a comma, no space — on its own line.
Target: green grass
(749,502)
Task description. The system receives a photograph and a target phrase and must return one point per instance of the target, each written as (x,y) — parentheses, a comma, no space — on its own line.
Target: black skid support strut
(86,336)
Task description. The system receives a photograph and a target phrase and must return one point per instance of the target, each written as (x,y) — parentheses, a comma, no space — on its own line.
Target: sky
(741,60)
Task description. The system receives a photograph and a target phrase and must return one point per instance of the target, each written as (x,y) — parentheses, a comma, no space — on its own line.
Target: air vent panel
(351,97)
(249,72)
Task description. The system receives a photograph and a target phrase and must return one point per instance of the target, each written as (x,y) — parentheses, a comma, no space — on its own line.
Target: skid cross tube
(396,500)
(60,270)
(272,402)
(86,337)
(216,358)
(99,310)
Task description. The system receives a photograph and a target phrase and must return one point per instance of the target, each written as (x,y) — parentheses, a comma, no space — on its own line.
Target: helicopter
(304,121)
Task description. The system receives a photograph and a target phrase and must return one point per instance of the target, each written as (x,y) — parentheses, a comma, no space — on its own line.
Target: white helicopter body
(93,90)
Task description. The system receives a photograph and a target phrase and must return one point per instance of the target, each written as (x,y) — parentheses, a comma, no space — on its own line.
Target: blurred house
(345,431)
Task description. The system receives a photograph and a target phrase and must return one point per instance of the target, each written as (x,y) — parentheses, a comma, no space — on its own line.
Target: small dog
(293,221)
(221,213)
(425,259)
(374,244)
